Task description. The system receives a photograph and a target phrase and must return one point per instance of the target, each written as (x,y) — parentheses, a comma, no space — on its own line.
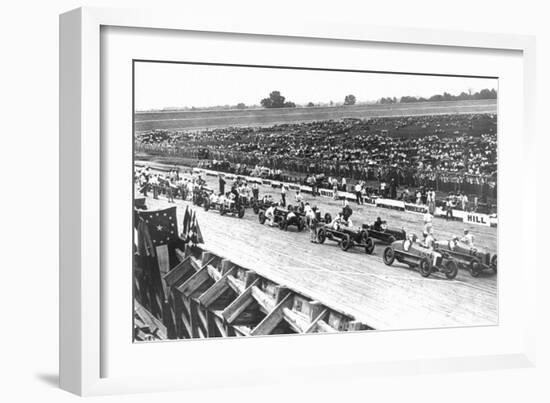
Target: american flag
(162,225)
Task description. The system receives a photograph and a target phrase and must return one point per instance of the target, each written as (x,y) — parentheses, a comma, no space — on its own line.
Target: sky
(162,85)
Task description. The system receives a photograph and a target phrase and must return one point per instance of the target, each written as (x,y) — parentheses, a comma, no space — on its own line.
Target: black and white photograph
(279,200)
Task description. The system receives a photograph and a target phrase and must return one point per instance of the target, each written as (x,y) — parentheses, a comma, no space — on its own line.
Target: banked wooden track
(209,296)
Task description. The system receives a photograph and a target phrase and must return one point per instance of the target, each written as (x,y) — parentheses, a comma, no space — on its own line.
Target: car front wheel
(321,236)
(425,267)
(451,270)
(475,268)
(389,256)
(345,244)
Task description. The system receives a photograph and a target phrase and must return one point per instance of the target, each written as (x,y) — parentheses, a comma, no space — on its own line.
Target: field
(384,297)
(193,120)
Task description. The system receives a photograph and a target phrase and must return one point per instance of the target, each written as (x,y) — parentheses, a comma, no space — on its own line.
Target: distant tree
(241,105)
(350,99)
(331,103)
(276,100)
(310,104)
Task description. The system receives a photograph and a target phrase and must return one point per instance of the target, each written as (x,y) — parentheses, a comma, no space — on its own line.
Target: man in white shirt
(270,216)
(468,238)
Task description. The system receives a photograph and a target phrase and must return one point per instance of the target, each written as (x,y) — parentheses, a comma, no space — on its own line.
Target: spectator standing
(255,191)
(344,185)
(283,195)
(222,184)
(358,194)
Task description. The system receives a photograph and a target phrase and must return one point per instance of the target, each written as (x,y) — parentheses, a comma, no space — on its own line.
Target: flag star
(159,227)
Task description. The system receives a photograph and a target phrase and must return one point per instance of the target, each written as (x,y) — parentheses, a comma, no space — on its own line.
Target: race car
(474,259)
(282,219)
(263,204)
(385,235)
(346,237)
(416,255)
(201,194)
(224,207)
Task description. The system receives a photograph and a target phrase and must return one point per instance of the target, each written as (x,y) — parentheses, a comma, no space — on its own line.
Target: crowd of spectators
(449,153)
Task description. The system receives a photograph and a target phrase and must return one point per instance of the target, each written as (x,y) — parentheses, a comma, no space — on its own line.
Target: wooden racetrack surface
(383,297)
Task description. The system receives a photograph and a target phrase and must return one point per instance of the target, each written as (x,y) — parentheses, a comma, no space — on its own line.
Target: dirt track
(385,297)
(193,120)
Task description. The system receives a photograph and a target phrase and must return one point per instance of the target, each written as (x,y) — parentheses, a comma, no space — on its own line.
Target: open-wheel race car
(418,256)
(224,207)
(468,257)
(264,204)
(346,237)
(201,194)
(283,218)
(383,234)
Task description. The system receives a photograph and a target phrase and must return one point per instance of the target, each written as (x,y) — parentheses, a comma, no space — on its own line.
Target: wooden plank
(236,285)
(298,322)
(226,265)
(180,255)
(266,303)
(163,260)
(155,325)
(240,303)
(221,327)
(194,282)
(325,327)
(271,321)
(173,277)
(214,292)
(213,272)
(314,322)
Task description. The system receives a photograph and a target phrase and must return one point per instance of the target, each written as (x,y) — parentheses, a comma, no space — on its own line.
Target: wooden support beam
(236,285)
(180,255)
(207,257)
(226,265)
(174,276)
(163,261)
(325,327)
(213,272)
(272,319)
(280,293)
(214,292)
(296,321)
(315,308)
(194,282)
(240,303)
(249,278)
(220,326)
(265,301)
(155,326)
(355,326)
(314,322)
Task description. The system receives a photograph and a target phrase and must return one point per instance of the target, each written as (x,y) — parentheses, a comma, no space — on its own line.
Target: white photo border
(85,359)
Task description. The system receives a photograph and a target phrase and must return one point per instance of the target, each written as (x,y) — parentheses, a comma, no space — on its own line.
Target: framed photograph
(315,200)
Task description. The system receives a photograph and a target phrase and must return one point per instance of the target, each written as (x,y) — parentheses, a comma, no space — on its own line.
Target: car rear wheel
(494,264)
(321,236)
(301,225)
(256,209)
(425,267)
(282,225)
(369,245)
(206,205)
(475,268)
(345,243)
(328,218)
(261,217)
(451,270)
(241,213)
(389,256)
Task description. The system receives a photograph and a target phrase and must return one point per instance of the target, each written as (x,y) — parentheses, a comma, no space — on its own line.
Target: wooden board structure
(212,297)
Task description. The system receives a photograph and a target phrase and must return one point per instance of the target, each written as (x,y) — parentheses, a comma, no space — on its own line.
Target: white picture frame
(82,305)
